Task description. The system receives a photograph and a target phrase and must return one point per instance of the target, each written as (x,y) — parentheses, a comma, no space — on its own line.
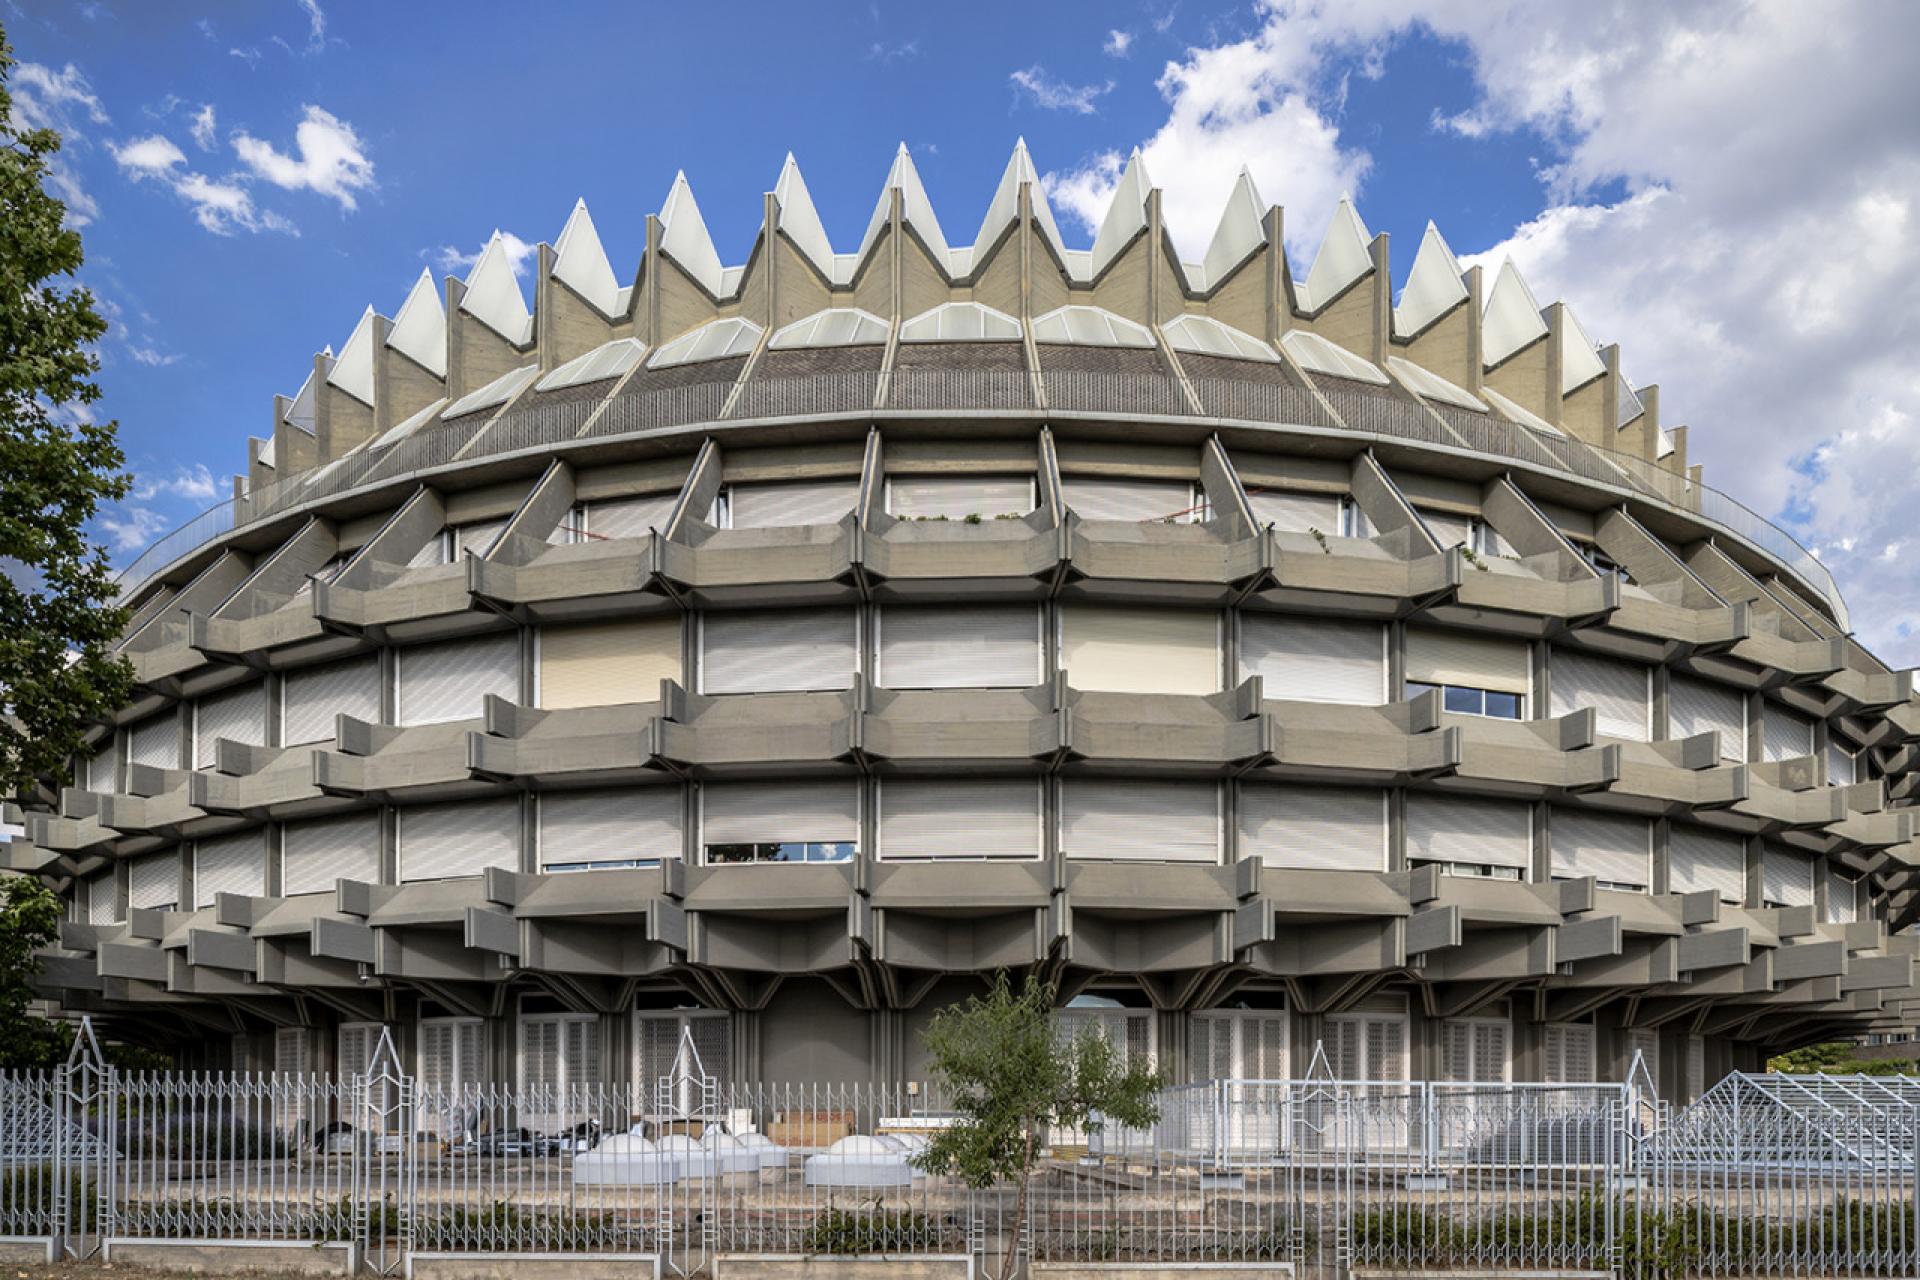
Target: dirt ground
(96,1270)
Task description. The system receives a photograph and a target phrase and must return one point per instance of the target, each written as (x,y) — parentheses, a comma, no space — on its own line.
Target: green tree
(29,920)
(1837,1058)
(58,601)
(1011,1077)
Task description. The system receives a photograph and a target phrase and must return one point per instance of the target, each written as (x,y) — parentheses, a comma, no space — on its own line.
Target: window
(1238,1044)
(608,663)
(618,827)
(316,852)
(744,822)
(1698,706)
(778,650)
(1784,734)
(1468,835)
(1369,1043)
(1616,851)
(1471,532)
(1475,1050)
(802,502)
(559,1067)
(155,882)
(1292,512)
(1620,693)
(959,647)
(451,680)
(1602,563)
(1477,674)
(1568,1052)
(314,697)
(1135,501)
(1353,520)
(1129,1031)
(238,715)
(442,841)
(1140,819)
(1696,1067)
(1304,659)
(1461,700)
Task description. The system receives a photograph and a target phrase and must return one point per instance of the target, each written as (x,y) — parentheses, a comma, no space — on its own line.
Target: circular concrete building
(772,652)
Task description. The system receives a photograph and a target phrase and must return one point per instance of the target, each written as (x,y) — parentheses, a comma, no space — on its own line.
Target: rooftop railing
(1363,410)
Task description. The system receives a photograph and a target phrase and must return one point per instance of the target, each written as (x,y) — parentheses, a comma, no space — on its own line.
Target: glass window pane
(1465,701)
(1504,705)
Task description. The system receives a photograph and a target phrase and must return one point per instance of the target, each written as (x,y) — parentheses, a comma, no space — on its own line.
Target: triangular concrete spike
(1241,230)
(916,208)
(799,219)
(419,329)
(1126,213)
(1434,286)
(353,371)
(1580,363)
(1343,257)
(1004,208)
(1512,316)
(493,294)
(685,239)
(580,262)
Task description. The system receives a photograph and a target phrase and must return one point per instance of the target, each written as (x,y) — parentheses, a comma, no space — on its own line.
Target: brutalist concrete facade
(1520,750)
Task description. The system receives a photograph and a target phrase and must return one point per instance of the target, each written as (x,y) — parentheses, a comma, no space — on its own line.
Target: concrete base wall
(25,1251)
(773,1266)
(1483,1274)
(1162,1270)
(216,1257)
(532,1266)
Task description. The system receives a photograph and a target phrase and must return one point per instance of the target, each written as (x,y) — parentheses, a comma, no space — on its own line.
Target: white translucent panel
(961,322)
(1319,355)
(1126,215)
(1240,231)
(419,331)
(916,209)
(1580,363)
(1090,327)
(353,371)
(711,341)
(1512,318)
(1004,208)
(499,391)
(799,220)
(1434,287)
(407,426)
(300,411)
(1343,258)
(1207,336)
(838,327)
(493,294)
(580,263)
(1518,413)
(1429,385)
(607,361)
(1667,445)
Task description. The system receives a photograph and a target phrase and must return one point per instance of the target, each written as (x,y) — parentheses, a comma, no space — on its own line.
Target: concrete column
(1476,329)
(1382,300)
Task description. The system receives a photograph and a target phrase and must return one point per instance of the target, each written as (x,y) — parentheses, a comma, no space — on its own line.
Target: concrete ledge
(829,1266)
(531,1266)
(1478,1273)
(214,1257)
(1169,1270)
(26,1251)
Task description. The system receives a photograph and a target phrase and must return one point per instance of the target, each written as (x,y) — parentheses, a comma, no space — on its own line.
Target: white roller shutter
(1784,734)
(1610,848)
(778,650)
(606,663)
(1786,877)
(1843,897)
(1697,706)
(103,900)
(764,506)
(1448,530)
(1140,819)
(627,824)
(155,881)
(450,680)
(957,497)
(316,852)
(1140,650)
(628,517)
(432,552)
(156,741)
(231,864)
(1138,501)
(1296,512)
(1466,660)
(238,715)
(1469,830)
(1315,659)
(1313,828)
(1698,859)
(477,538)
(980,647)
(313,696)
(444,840)
(103,768)
(1843,767)
(823,812)
(959,818)
(1621,693)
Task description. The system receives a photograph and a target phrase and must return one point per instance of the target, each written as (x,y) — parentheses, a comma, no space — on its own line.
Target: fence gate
(84,1100)
(382,1133)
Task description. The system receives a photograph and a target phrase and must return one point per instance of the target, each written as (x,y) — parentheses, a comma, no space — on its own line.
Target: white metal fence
(1764,1176)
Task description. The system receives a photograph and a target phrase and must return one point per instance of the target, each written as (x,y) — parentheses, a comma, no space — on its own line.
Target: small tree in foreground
(1011,1077)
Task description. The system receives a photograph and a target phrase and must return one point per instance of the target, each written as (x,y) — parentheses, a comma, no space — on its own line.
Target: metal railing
(1361,410)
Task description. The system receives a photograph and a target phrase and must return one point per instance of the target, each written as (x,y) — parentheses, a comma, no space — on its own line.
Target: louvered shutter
(450,680)
(1137,501)
(1786,877)
(1448,530)
(154,881)
(540,1057)
(659,1044)
(1569,1053)
(477,538)
(629,824)
(1645,1041)
(982,647)
(778,650)
(452,1054)
(1263,1047)
(357,1042)
(1698,859)
(607,663)
(628,517)
(1129,1031)
(1141,819)
(156,741)
(824,812)
(1468,661)
(1456,1051)
(581,1038)
(313,696)
(957,497)
(103,768)
(438,1059)
(1297,512)
(1210,1048)
(1314,659)
(238,715)
(292,1051)
(1346,1052)
(103,899)
(1842,766)
(1469,830)
(1843,897)
(318,851)
(231,864)
(1696,706)
(959,818)
(1492,1060)
(1621,693)
(1610,848)
(765,506)
(713,1042)
(1696,1067)
(444,840)
(1784,734)
(1140,650)
(1474,1050)
(1313,828)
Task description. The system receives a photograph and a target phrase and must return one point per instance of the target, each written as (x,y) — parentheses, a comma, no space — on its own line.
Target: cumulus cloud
(132,528)
(193,483)
(1727,190)
(458,262)
(332,160)
(222,206)
(1054,94)
(65,102)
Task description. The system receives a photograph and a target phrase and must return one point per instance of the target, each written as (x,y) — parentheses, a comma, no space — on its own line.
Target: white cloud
(249,55)
(1118,44)
(203,127)
(63,101)
(1057,95)
(222,206)
(882,52)
(194,484)
(316,26)
(149,157)
(151,357)
(458,262)
(132,528)
(332,159)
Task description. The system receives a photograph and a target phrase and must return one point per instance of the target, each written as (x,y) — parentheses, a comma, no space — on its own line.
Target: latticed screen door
(660,1044)
(559,1065)
(1474,1049)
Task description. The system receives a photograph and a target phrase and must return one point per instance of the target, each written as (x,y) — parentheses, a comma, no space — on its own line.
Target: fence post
(381,1099)
(81,1205)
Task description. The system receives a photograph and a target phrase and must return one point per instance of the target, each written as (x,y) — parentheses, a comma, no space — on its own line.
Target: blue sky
(253,175)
